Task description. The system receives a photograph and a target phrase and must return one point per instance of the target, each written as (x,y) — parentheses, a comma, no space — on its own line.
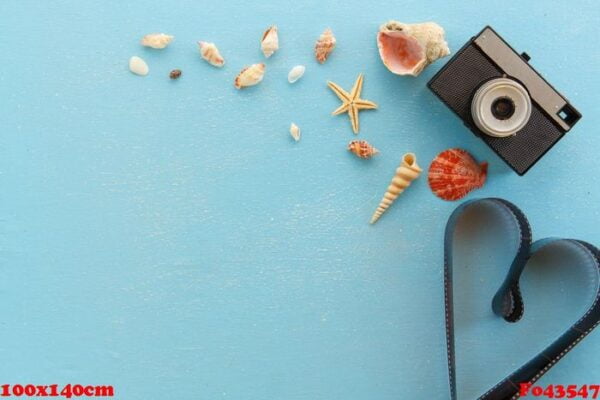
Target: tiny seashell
(406,49)
(138,66)
(407,172)
(454,173)
(211,54)
(250,76)
(270,41)
(296,73)
(175,74)
(324,46)
(295,131)
(362,149)
(156,40)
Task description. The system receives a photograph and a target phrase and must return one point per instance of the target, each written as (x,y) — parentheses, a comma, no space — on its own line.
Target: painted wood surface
(171,239)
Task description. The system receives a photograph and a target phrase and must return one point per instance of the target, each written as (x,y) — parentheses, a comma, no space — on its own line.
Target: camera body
(503,100)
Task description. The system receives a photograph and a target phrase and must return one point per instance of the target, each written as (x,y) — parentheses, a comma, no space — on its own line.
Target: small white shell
(296,73)
(295,131)
(156,40)
(211,54)
(270,41)
(138,66)
(250,76)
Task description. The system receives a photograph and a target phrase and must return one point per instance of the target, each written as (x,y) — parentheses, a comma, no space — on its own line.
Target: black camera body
(503,100)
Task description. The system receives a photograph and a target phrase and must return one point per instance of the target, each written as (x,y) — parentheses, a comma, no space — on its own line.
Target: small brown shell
(324,46)
(362,149)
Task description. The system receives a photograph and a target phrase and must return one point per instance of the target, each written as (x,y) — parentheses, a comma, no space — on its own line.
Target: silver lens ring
(487,97)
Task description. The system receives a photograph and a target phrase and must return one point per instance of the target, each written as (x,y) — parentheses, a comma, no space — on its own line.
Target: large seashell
(211,54)
(324,46)
(454,173)
(406,49)
(295,131)
(296,73)
(250,76)
(156,40)
(138,66)
(407,172)
(270,41)
(362,149)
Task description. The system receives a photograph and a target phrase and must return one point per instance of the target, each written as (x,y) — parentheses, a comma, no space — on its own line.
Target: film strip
(508,302)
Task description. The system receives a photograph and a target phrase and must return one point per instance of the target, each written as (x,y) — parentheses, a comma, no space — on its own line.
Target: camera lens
(503,108)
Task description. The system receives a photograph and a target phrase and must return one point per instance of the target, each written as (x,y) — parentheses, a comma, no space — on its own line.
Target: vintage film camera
(503,100)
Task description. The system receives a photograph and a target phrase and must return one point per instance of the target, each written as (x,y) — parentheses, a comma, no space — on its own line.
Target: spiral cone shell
(407,172)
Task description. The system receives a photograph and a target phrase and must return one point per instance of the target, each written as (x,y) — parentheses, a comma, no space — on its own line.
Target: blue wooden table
(170,239)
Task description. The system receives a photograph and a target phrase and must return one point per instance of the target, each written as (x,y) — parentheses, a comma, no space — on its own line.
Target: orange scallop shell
(454,173)
(362,148)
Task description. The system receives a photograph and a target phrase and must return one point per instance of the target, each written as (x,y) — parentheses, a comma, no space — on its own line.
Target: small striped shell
(211,54)
(270,41)
(454,173)
(156,40)
(250,76)
(362,149)
(324,46)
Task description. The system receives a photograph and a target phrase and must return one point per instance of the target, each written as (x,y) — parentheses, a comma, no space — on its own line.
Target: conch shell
(454,173)
(211,54)
(156,40)
(324,46)
(270,41)
(250,76)
(406,49)
(407,172)
(362,149)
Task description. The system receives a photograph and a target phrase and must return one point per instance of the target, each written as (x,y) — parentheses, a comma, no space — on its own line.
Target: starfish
(351,102)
